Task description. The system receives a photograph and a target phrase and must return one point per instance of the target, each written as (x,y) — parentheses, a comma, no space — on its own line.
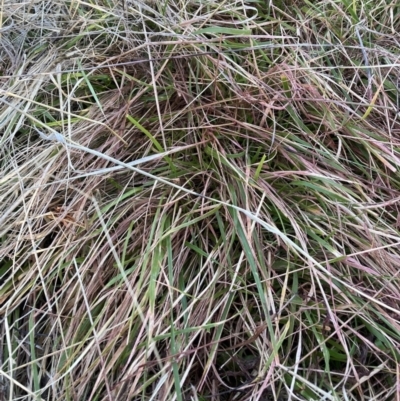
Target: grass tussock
(220,218)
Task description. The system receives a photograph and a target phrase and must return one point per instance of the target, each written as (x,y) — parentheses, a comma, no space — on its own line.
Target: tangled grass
(220,218)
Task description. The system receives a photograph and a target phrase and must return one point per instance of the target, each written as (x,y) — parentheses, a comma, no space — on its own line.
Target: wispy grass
(214,212)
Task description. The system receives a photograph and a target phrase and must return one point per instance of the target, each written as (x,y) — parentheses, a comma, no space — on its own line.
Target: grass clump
(199,200)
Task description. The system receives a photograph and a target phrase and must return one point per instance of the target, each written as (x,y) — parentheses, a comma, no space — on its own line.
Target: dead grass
(219,218)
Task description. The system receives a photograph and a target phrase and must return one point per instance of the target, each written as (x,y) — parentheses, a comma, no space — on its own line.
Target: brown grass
(219,217)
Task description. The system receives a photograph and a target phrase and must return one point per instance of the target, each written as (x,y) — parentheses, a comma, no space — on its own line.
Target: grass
(216,216)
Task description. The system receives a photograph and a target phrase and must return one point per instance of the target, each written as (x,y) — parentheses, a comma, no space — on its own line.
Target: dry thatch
(199,200)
